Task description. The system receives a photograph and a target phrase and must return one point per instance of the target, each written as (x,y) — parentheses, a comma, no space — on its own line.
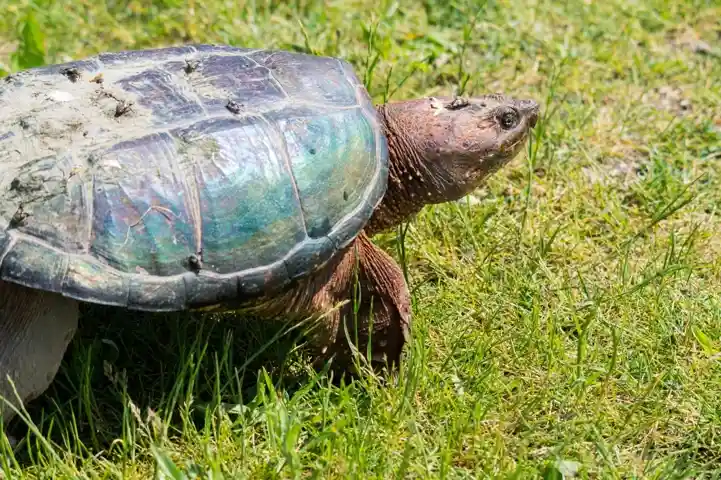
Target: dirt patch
(623,166)
(670,99)
(688,40)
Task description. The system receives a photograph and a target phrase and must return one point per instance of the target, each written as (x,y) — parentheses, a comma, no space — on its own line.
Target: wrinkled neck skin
(412,181)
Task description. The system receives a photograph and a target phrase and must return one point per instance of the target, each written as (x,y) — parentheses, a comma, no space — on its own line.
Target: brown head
(442,149)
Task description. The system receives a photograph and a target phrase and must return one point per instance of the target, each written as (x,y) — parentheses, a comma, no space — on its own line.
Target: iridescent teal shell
(180,177)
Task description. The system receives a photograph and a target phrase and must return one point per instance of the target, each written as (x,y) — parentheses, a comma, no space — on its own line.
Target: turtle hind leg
(35,330)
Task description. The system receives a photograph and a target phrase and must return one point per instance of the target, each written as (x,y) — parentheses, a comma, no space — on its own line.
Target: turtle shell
(178,177)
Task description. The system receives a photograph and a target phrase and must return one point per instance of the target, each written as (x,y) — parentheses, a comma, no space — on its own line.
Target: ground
(567,316)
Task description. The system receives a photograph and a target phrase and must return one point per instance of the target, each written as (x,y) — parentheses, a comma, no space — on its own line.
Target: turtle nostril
(531,108)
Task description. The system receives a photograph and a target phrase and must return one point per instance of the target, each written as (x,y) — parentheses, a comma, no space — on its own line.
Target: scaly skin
(441,149)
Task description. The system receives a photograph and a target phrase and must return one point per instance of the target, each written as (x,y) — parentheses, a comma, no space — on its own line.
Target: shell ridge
(278,84)
(145,63)
(180,80)
(359,101)
(271,77)
(252,52)
(285,154)
(192,197)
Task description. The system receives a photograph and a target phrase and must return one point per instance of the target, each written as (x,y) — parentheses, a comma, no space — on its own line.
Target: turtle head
(443,148)
(464,140)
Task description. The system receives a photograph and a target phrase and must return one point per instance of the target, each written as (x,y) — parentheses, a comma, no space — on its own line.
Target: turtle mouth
(513,147)
(489,164)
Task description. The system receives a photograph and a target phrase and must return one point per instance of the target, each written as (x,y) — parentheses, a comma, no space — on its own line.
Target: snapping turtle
(218,177)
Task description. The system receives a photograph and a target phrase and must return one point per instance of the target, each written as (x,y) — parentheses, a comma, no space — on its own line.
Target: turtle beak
(533,118)
(530,110)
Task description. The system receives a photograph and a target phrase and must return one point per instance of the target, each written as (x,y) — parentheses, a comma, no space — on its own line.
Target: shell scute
(160,92)
(333,158)
(248,209)
(157,293)
(308,78)
(309,257)
(92,281)
(33,265)
(202,289)
(141,222)
(48,200)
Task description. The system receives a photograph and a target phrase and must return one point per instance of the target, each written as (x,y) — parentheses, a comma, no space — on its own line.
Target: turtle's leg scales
(35,330)
(379,306)
(364,287)
(375,304)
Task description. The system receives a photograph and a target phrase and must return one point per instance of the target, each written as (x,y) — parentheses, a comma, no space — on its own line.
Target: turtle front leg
(375,306)
(35,330)
(363,287)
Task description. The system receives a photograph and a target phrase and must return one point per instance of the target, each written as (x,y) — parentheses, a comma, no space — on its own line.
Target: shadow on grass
(166,364)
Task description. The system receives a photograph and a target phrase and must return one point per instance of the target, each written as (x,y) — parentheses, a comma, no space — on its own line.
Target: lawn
(567,316)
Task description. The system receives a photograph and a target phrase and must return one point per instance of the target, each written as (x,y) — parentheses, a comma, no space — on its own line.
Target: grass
(567,317)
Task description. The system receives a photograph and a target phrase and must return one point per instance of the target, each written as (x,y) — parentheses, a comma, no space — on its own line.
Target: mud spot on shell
(234,107)
(72,73)
(191,66)
(195,262)
(18,218)
(123,107)
(27,123)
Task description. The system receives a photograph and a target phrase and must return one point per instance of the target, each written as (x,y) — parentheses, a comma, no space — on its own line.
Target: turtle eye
(508,119)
